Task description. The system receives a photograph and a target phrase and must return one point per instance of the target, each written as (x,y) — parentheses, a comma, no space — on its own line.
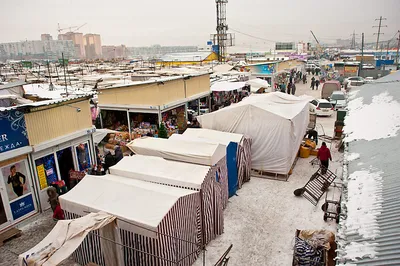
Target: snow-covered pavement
(261,221)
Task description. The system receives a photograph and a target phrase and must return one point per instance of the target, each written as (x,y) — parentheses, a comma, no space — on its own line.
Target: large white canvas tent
(276,122)
(209,154)
(244,147)
(183,175)
(152,219)
(257,84)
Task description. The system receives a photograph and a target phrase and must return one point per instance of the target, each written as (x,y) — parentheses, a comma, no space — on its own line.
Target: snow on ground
(261,221)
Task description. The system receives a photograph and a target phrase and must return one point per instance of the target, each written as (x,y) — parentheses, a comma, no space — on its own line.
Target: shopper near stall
(118,154)
(304,79)
(312,83)
(109,160)
(289,87)
(15,179)
(317,82)
(293,88)
(324,155)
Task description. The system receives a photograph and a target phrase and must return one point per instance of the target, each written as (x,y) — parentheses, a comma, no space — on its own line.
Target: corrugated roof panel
(369,234)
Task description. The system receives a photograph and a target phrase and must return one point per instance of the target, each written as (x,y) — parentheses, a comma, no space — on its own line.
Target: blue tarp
(231,163)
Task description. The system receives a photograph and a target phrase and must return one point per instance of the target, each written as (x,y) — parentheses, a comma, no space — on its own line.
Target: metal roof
(13,84)
(369,233)
(186,57)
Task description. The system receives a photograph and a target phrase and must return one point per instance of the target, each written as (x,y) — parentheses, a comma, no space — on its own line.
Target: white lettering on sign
(3,138)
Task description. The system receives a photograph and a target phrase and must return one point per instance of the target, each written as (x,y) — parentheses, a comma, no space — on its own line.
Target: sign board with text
(13,134)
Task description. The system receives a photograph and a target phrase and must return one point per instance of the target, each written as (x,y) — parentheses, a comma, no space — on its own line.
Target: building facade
(112,51)
(50,49)
(93,48)
(77,39)
(46,37)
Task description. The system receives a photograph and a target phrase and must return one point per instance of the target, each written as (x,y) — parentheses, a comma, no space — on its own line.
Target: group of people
(314,71)
(314,83)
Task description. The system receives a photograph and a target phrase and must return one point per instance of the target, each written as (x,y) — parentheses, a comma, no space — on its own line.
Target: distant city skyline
(256,23)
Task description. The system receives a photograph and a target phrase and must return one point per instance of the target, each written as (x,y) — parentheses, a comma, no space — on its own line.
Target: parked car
(321,107)
(354,81)
(329,87)
(338,100)
(311,66)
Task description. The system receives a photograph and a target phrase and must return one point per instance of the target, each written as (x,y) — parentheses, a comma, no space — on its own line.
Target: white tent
(149,218)
(257,84)
(276,123)
(182,175)
(214,135)
(184,151)
(101,133)
(227,86)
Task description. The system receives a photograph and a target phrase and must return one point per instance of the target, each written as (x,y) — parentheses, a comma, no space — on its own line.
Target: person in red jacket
(324,155)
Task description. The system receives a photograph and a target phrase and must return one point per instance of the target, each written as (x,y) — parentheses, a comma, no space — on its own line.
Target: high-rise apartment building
(92,46)
(77,39)
(46,37)
(112,51)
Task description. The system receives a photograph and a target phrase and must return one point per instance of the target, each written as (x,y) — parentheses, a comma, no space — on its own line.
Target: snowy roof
(370,232)
(186,57)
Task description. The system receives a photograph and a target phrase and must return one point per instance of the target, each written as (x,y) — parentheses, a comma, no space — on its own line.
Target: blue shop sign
(13,133)
(22,206)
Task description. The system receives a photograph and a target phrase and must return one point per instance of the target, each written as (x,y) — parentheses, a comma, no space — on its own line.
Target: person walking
(289,87)
(317,82)
(312,83)
(304,79)
(15,179)
(324,155)
(313,71)
(293,89)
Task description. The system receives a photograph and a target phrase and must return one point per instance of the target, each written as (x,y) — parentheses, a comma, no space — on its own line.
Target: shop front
(137,110)
(18,199)
(61,136)
(62,161)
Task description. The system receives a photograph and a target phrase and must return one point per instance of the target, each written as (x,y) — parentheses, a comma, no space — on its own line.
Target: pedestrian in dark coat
(118,154)
(289,87)
(317,82)
(312,84)
(109,161)
(293,89)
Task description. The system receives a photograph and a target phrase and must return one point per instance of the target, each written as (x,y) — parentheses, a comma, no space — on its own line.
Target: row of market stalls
(42,143)
(137,109)
(167,199)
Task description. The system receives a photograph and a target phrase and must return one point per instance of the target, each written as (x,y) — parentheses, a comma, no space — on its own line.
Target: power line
(379,30)
(252,36)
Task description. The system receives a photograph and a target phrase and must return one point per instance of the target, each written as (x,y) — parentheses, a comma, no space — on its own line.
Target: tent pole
(203,233)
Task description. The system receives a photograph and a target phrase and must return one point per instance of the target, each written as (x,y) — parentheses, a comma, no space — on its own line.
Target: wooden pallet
(274,176)
(9,234)
(318,185)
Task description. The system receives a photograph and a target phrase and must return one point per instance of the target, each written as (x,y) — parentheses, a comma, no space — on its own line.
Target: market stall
(156,224)
(275,122)
(224,93)
(208,154)
(183,175)
(243,151)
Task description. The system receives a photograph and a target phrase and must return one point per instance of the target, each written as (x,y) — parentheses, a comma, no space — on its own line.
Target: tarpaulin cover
(227,86)
(276,122)
(142,203)
(159,170)
(183,151)
(256,84)
(214,135)
(63,240)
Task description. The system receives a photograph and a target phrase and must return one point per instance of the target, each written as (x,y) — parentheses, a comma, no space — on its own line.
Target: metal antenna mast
(379,30)
(222,39)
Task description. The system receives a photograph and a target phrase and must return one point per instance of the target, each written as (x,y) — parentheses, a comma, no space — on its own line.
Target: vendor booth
(276,123)
(18,198)
(225,93)
(208,154)
(243,144)
(137,109)
(183,175)
(155,224)
(259,85)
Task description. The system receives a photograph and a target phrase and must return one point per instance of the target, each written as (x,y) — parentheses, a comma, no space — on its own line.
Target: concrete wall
(50,122)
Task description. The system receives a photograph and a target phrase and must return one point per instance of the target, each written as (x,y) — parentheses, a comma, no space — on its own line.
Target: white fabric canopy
(183,151)
(215,135)
(227,86)
(180,137)
(142,203)
(100,134)
(276,122)
(64,239)
(159,170)
(256,84)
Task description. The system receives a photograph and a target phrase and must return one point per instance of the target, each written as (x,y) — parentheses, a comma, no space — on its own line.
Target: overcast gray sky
(190,22)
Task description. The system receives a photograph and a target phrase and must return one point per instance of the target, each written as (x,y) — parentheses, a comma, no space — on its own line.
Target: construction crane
(319,47)
(70,28)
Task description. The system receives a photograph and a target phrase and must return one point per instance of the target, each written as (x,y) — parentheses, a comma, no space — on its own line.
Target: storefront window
(175,120)
(143,124)
(46,170)
(65,163)
(82,151)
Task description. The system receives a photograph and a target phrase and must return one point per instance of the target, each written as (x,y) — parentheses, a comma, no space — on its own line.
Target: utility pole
(362,54)
(65,77)
(51,87)
(397,53)
(379,30)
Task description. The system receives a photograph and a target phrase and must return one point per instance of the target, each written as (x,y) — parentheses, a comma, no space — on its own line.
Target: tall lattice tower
(222,39)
